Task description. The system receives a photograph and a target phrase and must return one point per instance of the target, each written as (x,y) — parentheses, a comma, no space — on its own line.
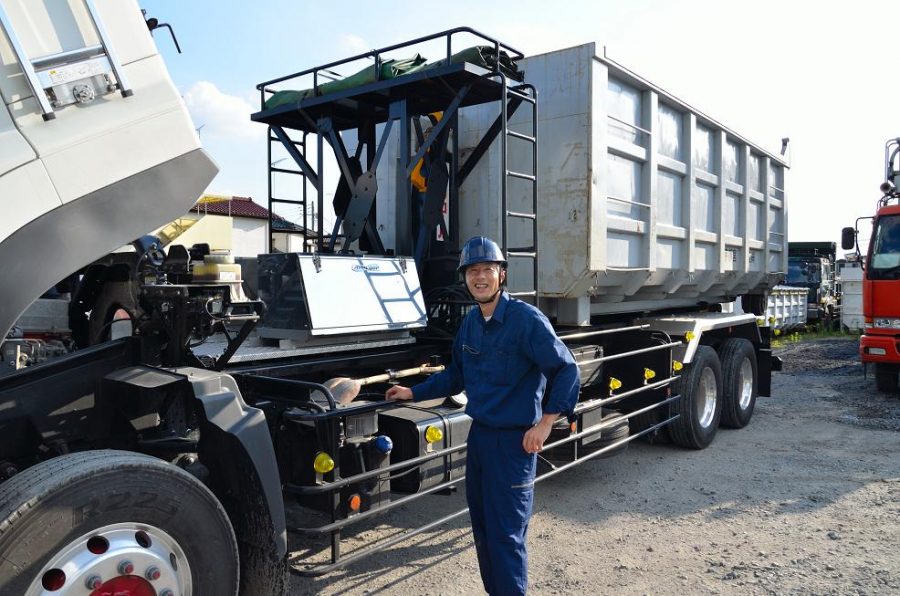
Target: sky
(822,74)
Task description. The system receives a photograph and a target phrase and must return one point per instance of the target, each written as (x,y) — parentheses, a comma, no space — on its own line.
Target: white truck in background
(177,459)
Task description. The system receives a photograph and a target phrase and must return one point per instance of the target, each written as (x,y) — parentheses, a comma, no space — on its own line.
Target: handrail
(376,55)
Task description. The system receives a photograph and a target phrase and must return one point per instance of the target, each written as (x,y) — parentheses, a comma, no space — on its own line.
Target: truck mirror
(848,238)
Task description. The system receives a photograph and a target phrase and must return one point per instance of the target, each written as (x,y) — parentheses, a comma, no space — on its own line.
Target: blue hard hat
(480,249)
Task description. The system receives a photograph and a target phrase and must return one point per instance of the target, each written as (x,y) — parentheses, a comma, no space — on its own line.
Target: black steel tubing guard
(342,482)
(632,353)
(604,332)
(337,525)
(343,523)
(318,570)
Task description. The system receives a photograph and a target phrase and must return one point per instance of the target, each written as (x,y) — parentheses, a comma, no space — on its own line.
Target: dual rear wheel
(716,388)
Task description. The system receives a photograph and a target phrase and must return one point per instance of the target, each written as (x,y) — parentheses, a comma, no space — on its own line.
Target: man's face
(483,280)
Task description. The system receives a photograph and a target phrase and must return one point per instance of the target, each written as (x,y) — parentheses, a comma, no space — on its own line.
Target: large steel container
(644,202)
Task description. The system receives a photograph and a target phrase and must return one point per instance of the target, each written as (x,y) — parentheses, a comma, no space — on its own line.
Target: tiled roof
(244,207)
(235,207)
(279,224)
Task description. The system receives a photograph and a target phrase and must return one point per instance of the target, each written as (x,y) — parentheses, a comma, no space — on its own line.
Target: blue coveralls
(504,365)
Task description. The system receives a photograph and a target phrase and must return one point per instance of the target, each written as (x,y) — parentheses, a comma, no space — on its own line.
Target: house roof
(279,224)
(234,207)
(244,207)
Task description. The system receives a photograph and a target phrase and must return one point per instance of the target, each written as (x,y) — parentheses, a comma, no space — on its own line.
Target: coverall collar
(500,309)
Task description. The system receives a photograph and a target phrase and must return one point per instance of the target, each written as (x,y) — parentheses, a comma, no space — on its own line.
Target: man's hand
(398,393)
(534,438)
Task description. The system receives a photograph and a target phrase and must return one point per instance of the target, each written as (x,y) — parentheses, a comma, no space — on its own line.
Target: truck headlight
(887,323)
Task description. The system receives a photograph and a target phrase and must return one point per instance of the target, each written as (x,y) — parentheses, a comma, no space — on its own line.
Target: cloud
(351,45)
(219,115)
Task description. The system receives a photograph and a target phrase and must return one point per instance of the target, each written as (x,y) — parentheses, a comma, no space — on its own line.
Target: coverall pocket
(519,465)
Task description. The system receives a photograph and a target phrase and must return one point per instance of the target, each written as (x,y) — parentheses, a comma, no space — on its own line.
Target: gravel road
(805,500)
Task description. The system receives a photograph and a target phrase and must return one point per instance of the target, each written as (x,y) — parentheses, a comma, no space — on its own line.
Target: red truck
(880,342)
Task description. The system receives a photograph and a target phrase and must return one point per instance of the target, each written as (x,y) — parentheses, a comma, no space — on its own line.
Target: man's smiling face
(483,280)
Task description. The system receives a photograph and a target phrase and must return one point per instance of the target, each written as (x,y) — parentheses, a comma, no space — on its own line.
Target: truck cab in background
(812,265)
(880,342)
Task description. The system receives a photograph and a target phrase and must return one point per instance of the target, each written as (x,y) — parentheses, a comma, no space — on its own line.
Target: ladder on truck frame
(282,138)
(528,94)
(45,73)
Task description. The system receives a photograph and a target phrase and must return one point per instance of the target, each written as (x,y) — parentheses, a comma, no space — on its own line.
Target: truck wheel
(739,382)
(616,432)
(886,378)
(699,408)
(754,303)
(113,522)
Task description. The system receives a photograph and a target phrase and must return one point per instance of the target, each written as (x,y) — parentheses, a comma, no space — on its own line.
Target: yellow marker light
(323,463)
(649,374)
(777,332)
(614,384)
(760,321)
(433,434)
(677,366)
(771,320)
(689,336)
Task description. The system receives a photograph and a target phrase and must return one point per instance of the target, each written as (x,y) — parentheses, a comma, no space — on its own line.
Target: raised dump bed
(644,202)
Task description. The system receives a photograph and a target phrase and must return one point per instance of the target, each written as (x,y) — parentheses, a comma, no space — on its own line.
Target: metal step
(521,175)
(521,215)
(518,135)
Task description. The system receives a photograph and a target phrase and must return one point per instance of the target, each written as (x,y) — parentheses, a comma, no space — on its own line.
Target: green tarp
(484,56)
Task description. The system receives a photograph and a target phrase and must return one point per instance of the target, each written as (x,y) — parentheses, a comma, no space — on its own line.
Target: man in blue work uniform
(505,355)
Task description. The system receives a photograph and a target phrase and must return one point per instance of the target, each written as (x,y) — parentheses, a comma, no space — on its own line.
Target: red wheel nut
(93,582)
(126,567)
(152,573)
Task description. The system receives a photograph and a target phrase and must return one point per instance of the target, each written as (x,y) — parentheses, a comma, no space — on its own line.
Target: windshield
(886,244)
(802,272)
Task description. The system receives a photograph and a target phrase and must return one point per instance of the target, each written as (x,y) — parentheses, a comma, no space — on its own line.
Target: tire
(700,406)
(642,422)
(89,512)
(616,432)
(740,382)
(886,378)
(754,303)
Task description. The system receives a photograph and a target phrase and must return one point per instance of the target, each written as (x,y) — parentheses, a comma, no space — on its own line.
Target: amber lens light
(433,434)
(323,463)
(354,502)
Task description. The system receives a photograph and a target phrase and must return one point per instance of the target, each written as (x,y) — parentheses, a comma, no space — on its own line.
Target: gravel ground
(805,500)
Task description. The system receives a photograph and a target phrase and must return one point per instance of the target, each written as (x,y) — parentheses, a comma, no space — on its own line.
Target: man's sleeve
(445,383)
(556,363)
